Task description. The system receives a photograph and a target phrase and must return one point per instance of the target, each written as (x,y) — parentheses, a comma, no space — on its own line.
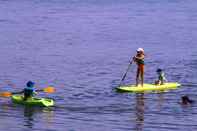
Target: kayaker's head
(30,84)
(186,100)
(140,51)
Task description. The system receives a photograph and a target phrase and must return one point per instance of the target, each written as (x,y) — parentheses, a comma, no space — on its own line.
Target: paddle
(47,90)
(124,76)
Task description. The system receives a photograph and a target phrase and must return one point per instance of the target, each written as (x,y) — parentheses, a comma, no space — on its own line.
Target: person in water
(186,101)
(29,90)
(139,60)
(161,77)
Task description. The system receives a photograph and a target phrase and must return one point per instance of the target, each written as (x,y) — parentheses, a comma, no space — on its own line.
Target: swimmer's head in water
(186,100)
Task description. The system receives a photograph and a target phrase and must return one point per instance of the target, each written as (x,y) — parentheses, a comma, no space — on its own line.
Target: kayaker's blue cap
(30,84)
(159,70)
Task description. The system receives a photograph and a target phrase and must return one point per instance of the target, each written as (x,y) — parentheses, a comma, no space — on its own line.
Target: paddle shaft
(40,90)
(124,76)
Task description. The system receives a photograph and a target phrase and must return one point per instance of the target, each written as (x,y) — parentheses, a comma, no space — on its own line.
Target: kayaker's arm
(20,92)
(35,93)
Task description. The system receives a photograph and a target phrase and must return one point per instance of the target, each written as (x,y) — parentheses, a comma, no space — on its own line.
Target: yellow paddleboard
(148,87)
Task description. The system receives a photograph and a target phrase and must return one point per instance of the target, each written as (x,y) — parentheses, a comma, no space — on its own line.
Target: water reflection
(30,112)
(28,116)
(160,101)
(140,112)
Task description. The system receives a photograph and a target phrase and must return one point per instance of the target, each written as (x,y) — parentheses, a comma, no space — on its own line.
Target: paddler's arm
(139,57)
(135,58)
(20,92)
(34,92)
(164,78)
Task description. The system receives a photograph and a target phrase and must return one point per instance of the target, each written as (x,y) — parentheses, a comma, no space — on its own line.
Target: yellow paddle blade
(49,89)
(6,94)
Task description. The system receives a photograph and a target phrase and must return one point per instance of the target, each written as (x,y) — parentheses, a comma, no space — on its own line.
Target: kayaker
(161,77)
(139,60)
(29,90)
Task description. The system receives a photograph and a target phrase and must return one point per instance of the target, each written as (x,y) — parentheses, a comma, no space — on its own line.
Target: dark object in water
(186,100)
(159,70)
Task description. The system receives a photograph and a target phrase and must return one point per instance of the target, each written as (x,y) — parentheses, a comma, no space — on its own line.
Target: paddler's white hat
(140,50)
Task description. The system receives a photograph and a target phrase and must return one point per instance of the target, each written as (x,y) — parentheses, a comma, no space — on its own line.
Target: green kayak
(18,99)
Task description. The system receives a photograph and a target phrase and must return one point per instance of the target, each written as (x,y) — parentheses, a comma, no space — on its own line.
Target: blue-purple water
(82,48)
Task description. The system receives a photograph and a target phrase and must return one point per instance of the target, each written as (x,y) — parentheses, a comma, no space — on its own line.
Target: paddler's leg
(142,74)
(137,76)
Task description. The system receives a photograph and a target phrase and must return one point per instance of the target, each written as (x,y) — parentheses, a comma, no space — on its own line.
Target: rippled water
(82,48)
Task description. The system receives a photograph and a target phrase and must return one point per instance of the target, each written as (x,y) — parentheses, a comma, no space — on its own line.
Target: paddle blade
(49,89)
(5,94)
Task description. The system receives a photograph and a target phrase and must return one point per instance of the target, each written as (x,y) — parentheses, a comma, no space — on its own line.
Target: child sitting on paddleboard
(139,60)
(161,77)
(29,90)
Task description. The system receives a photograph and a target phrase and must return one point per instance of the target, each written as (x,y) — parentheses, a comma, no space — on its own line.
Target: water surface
(82,48)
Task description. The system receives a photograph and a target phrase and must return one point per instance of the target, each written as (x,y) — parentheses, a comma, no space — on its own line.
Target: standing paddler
(139,60)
